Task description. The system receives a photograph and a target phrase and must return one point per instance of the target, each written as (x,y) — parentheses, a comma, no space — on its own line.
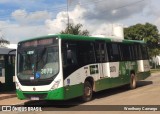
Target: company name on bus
(112,69)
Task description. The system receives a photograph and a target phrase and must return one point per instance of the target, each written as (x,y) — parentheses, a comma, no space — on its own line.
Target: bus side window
(113,52)
(101,52)
(126,52)
(138,53)
(86,53)
(132,52)
(144,52)
(69,55)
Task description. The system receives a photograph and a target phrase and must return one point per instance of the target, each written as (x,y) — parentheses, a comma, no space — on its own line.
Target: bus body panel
(143,65)
(58,82)
(114,69)
(57,94)
(119,74)
(143,69)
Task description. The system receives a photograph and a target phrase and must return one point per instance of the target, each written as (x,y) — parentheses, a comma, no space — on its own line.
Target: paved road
(146,93)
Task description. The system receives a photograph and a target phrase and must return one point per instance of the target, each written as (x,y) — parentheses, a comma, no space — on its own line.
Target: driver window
(69,54)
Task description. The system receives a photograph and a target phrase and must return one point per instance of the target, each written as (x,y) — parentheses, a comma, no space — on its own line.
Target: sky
(24,19)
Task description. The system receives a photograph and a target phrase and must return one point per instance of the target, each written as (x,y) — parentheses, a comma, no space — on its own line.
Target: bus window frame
(111,57)
(102,56)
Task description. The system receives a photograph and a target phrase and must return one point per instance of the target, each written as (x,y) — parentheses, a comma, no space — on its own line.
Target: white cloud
(59,24)
(23,17)
(114,10)
(56,25)
(27,25)
(77,16)
(95,16)
(3,23)
(157,22)
(25,28)
(15,32)
(19,15)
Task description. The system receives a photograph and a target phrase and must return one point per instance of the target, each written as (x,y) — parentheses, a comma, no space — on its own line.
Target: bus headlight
(55,85)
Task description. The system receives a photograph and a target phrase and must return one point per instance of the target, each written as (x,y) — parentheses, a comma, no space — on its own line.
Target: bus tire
(87,91)
(133,81)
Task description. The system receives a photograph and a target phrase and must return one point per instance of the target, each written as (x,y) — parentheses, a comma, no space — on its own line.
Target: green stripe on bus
(108,83)
(20,95)
(73,91)
(57,94)
(67,92)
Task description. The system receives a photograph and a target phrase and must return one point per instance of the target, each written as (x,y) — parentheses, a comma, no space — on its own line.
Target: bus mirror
(11,51)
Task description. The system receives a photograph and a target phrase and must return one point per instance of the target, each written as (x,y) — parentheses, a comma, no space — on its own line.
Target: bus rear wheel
(133,81)
(87,91)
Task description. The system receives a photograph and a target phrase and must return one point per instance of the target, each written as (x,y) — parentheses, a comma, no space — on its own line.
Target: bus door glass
(114,59)
(101,56)
(69,57)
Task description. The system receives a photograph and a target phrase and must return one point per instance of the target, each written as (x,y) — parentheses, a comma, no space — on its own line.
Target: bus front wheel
(87,91)
(133,81)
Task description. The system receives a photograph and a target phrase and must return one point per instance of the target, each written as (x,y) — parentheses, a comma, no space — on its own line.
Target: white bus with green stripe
(61,67)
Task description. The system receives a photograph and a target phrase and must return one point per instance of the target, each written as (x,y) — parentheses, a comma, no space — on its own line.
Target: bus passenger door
(114,64)
(101,57)
(101,60)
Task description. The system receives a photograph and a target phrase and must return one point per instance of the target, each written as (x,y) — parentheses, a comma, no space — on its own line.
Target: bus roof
(5,51)
(86,38)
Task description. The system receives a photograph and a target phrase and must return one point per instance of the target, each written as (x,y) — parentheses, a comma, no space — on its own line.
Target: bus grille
(40,96)
(35,82)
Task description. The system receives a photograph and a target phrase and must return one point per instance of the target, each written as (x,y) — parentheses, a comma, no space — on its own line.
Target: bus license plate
(34,98)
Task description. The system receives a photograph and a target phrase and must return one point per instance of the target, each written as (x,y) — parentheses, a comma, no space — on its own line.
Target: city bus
(62,67)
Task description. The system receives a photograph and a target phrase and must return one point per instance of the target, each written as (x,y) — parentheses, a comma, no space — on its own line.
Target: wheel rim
(87,91)
(133,81)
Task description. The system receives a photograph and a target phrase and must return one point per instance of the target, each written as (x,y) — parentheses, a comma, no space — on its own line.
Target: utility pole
(68,15)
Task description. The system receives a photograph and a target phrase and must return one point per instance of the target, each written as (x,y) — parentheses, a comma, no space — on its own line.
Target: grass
(155,70)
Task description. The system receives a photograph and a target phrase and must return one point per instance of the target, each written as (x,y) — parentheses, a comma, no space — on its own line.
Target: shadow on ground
(72,104)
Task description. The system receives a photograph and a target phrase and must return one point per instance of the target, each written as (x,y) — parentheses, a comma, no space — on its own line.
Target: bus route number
(47,71)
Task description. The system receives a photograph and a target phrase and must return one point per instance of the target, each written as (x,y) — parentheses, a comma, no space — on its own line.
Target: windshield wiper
(41,55)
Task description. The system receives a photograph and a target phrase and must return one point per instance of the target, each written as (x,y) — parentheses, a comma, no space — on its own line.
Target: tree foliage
(75,29)
(147,32)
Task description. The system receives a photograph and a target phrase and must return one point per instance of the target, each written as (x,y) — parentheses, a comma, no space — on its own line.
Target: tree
(147,32)
(75,29)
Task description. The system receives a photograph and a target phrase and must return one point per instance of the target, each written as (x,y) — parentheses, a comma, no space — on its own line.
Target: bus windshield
(37,63)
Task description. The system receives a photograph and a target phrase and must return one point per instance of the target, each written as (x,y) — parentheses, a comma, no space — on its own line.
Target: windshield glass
(37,63)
